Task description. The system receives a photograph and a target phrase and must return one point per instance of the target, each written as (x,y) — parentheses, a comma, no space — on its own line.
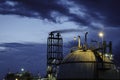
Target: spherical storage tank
(85,65)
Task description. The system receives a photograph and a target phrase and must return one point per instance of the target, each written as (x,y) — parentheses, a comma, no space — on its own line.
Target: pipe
(86,37)
(79,42)
(85,44)
(110,47)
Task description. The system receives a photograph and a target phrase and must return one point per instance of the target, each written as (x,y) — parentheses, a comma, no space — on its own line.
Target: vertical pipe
(110,47)
(104,47)
(86,38)
(85,44)
(79,42)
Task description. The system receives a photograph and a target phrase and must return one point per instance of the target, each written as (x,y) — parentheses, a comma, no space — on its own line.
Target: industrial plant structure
(54,54)
(84,62)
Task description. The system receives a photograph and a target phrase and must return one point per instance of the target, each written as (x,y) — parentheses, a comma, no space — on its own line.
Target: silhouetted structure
(54,52)
(19,76)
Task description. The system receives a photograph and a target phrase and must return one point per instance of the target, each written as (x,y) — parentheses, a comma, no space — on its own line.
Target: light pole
(101,35)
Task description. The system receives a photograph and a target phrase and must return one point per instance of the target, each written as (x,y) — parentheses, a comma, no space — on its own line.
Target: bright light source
(106,55)
(111,57)
(16,79)
(22,69)
(101,34)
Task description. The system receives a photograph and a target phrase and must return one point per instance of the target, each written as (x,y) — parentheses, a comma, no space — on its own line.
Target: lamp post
(101,35)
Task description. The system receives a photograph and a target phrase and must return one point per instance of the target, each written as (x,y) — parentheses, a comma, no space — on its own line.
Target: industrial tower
(54,53)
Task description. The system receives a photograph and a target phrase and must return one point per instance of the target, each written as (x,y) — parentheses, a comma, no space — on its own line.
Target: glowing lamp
(101,34)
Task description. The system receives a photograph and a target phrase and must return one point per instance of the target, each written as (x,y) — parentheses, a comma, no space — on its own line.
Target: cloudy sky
(32,20)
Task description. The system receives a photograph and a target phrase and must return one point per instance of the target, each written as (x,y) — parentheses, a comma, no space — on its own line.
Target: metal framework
(104,49)
(54,51)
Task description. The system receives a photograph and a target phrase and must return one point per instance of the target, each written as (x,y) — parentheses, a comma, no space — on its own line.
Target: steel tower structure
(54,52)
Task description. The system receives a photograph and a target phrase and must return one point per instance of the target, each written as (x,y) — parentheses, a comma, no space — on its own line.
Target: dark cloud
(69,30)
(32,8)
(44,9)
(104,12)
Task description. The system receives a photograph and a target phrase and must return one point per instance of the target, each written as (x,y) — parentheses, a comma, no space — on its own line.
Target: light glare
(101,34)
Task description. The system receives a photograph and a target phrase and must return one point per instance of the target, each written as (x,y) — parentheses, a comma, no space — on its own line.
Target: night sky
(26,20)
(30,21)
